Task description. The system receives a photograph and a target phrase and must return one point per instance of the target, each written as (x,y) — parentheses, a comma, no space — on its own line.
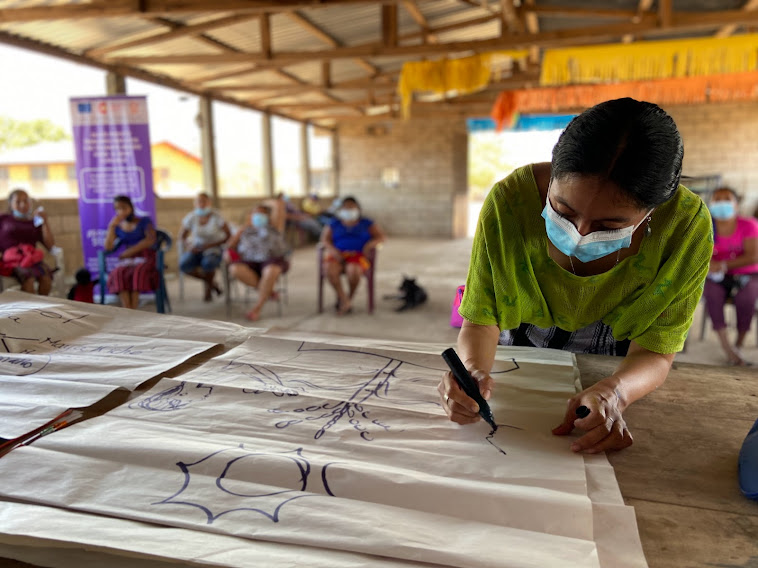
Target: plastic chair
(162,244)
(371,256)
(230,285)
(59,285)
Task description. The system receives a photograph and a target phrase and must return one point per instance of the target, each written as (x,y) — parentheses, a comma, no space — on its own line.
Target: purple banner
(112,141)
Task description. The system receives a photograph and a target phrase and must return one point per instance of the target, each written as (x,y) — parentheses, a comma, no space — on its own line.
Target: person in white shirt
(204,231)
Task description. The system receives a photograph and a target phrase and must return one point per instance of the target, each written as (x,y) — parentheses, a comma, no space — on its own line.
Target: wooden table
(681,473)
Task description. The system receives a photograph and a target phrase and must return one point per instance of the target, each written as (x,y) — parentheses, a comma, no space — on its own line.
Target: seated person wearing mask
(257,253)
(347,241)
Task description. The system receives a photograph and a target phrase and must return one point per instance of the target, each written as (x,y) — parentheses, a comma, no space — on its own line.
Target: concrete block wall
(722,139)
(431,158)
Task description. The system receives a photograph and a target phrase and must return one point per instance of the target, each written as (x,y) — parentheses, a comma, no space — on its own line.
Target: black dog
(412,295)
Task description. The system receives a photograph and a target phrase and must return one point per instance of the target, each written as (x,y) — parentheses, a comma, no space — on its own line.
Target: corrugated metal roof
(348,24)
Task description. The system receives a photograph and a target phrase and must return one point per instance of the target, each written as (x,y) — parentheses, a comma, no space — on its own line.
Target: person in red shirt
(734,270)
(84,289)
(21,226)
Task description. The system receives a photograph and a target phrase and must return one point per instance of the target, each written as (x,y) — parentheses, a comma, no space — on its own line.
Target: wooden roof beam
(418,16)
(140,74)
(726,31)
(648,24)
(329,39)
(665,13)
(176,31)
(389,25)
(642,7)
(509,20)
(265,33)
(118,8)
(573,12)
(372,50)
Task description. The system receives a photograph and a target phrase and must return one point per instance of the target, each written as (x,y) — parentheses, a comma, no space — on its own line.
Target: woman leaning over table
(600,251)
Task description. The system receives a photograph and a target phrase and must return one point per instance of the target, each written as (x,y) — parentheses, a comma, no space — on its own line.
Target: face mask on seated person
(19,215)
(349,214)
(722,210)
(586,248)
(202,212)
(259,220)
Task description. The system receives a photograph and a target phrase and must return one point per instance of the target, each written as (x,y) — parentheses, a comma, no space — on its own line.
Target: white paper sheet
(320,445)
(56,357)
(110,319)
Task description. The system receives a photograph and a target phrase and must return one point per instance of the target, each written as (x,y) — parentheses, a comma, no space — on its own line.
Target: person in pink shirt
(734,270)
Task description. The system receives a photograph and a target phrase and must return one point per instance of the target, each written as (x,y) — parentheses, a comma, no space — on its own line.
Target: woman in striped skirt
(135,236)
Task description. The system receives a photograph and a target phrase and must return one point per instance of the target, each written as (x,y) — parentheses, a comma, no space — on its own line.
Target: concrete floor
(439,266)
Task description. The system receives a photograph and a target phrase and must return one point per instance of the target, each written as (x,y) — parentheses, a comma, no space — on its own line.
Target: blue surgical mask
(349,214)
(259,220)
(722,210)
(202,212)
(19,215)
(586,248)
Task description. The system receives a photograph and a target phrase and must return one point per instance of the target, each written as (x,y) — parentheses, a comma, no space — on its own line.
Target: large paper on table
(334,448)
(55,356)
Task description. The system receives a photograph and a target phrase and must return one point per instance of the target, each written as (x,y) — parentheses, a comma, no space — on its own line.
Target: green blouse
(649,298)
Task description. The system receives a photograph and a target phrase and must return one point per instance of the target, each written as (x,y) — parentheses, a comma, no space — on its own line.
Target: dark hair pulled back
(634,144)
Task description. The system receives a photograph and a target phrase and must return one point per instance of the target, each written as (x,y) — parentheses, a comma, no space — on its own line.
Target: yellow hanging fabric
(650,60)
(463,75)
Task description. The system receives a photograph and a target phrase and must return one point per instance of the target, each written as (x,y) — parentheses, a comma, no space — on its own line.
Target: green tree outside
(19,133)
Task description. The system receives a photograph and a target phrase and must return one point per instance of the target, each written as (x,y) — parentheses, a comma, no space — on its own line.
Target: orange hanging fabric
(689,90)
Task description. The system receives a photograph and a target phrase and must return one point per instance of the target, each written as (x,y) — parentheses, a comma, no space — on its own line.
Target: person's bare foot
(253,315)
(345,307)
(734,358)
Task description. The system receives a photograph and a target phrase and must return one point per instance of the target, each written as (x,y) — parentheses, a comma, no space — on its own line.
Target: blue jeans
(207,261)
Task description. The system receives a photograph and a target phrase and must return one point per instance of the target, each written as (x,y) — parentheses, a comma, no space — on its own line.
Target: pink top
(732,246)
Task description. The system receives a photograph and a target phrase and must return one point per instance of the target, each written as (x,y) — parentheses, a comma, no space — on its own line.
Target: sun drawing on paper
(239,480)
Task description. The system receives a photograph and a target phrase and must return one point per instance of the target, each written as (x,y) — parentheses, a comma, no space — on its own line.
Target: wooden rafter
(532,24)
(418,16)
(509,18)
(665,13)
(208,40)
(389,25)
(643,7)
(228,74)
(557,37)
(117,8)
(141,74)
(584,13)
(647,24)
(726,31)
(329,39)
(265,33)
(175,32)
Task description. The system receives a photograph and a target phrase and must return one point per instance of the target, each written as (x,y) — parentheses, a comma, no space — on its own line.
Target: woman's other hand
(456,403)
(604,426)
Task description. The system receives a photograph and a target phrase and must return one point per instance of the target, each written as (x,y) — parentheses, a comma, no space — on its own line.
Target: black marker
(468,384)
(582,411)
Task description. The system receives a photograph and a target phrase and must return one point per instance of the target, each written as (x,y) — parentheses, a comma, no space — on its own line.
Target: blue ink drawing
(234,480)
(383,383)
(173,398)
